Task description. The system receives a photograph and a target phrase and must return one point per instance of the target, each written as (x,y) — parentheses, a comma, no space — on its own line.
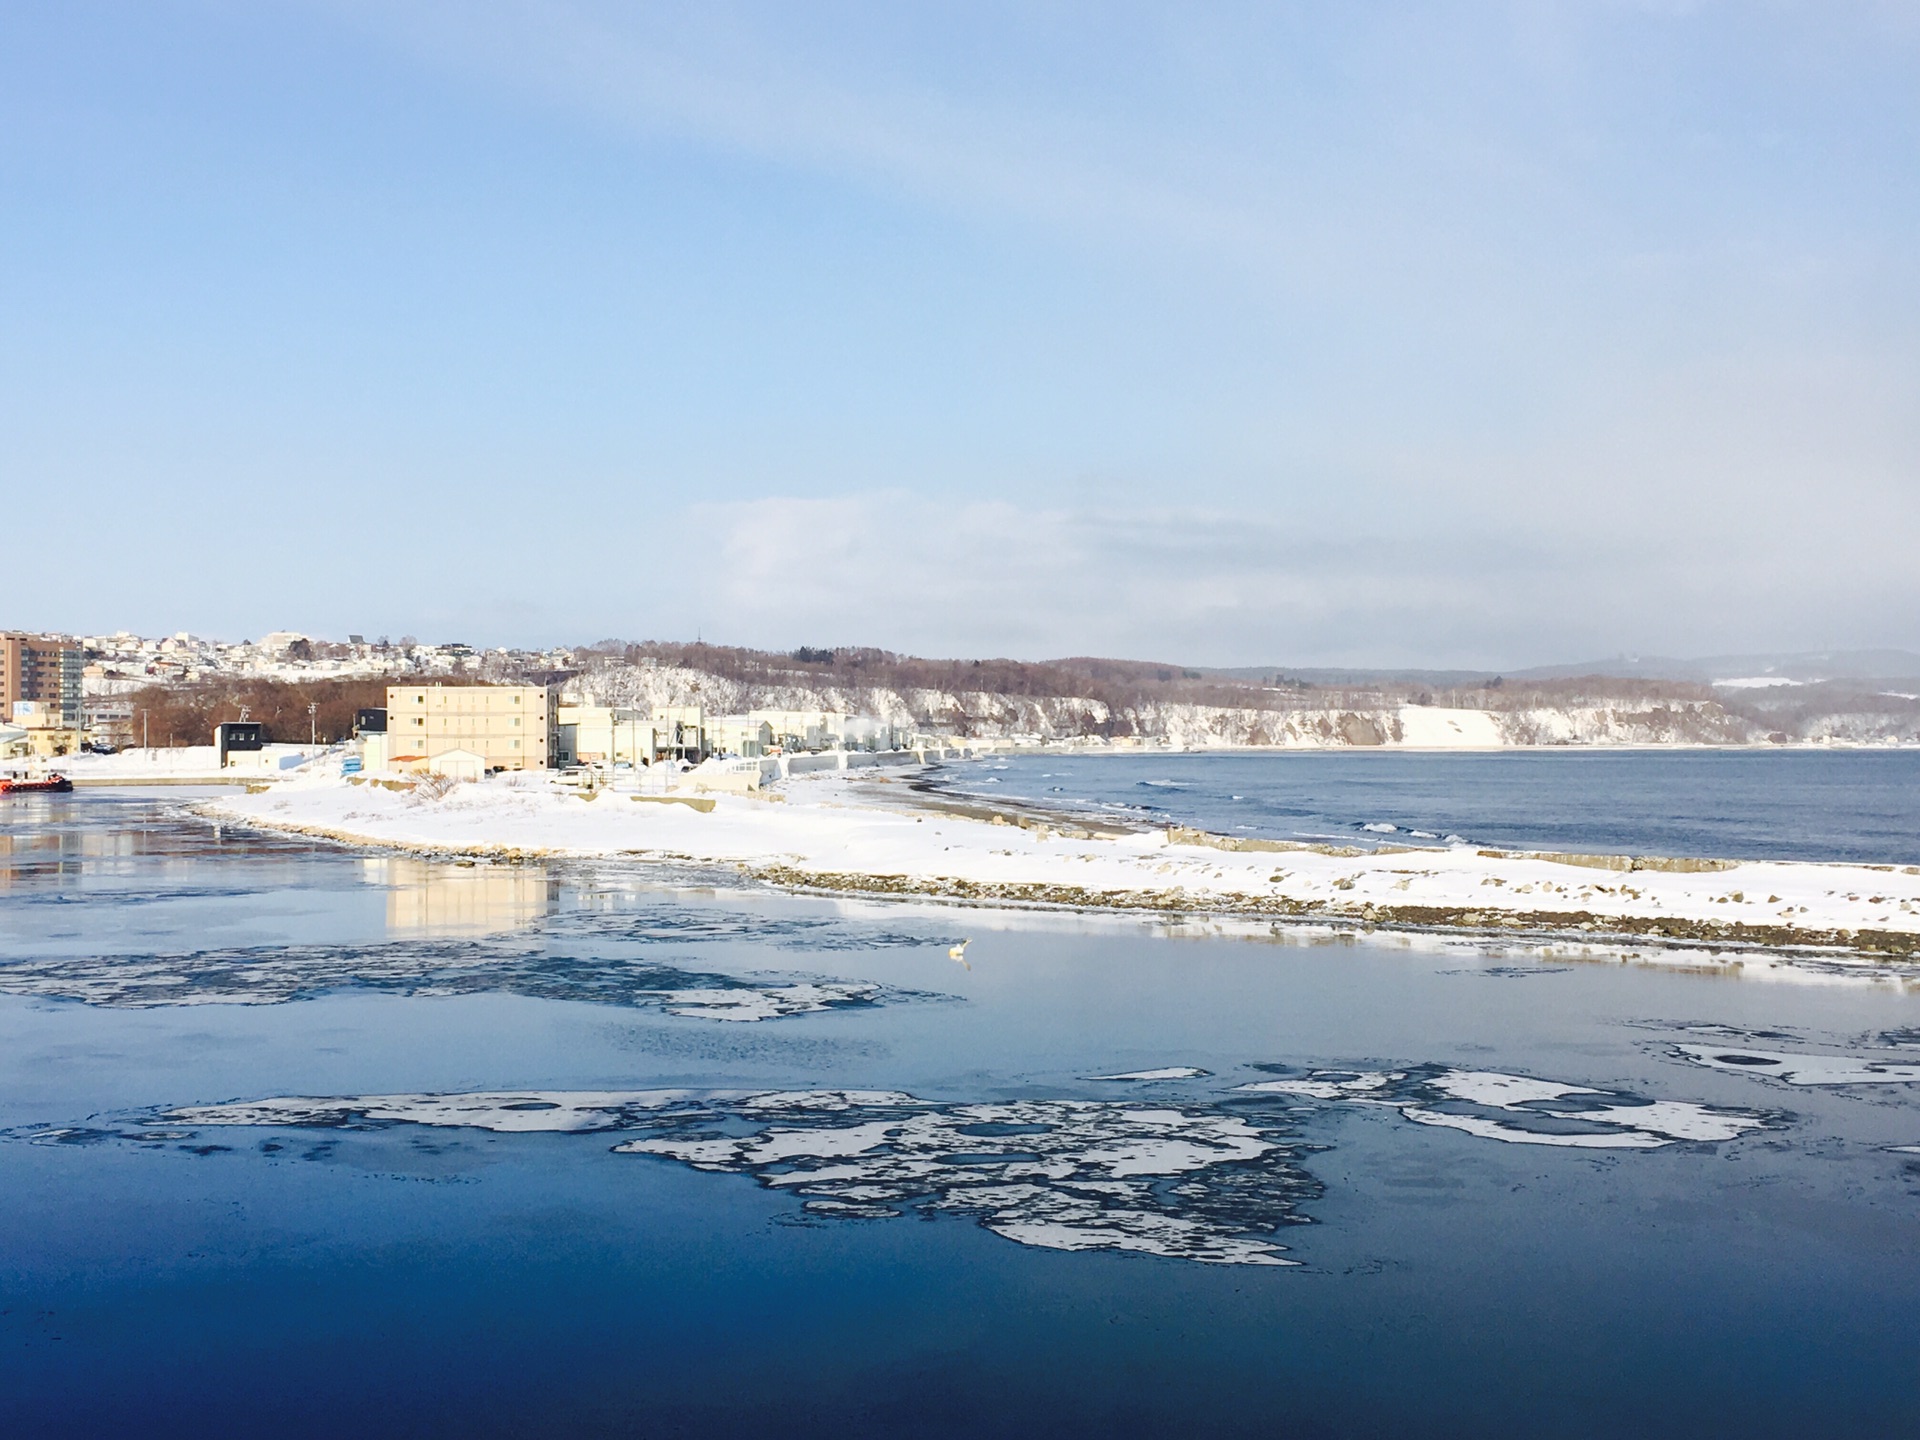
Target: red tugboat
(51,785)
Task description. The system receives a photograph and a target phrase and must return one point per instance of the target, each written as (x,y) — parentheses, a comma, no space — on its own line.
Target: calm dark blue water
(1755,805)
(664,1158)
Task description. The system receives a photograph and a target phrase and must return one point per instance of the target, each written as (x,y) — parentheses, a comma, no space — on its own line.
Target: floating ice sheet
(271,975)
(650,920)
(1190,1182)
(767,1002)
(507,1111)
(1207,1180)
(1802,1069)
(1520,1109)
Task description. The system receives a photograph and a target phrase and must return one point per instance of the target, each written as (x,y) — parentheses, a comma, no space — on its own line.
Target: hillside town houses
(450,708)
(457,729)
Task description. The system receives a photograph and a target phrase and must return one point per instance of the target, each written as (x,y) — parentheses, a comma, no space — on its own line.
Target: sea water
(305,1140)
(1861,805)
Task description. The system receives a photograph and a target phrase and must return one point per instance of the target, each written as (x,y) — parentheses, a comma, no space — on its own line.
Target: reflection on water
(39,840)
(92,839)
(429,899)
(134,903)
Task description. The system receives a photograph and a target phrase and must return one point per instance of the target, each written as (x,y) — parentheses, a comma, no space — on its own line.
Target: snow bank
(1431,728)
(181,764)
(828,831)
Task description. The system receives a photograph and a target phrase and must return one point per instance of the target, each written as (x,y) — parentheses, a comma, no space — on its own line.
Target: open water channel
(300,1140)
(1800,804)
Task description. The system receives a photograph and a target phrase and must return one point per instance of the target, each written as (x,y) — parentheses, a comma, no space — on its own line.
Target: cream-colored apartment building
(511,727)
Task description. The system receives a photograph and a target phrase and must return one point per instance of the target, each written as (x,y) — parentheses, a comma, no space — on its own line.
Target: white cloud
(956,576)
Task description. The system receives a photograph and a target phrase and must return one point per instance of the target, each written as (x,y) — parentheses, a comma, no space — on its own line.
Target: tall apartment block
(40,668)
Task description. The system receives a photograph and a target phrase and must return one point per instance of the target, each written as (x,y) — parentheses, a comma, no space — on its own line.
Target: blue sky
(1370,333)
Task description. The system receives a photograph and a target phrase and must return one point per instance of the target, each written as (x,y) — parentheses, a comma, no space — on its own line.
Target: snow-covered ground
(864,835)
(174,765)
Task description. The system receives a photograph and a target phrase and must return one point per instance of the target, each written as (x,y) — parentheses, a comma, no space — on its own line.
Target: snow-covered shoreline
(200,764)
(876,836)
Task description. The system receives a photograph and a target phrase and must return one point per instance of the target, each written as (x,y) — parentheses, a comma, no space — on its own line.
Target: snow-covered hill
(1271,719)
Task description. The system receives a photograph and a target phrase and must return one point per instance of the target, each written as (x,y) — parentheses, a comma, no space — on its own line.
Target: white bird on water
(959,952)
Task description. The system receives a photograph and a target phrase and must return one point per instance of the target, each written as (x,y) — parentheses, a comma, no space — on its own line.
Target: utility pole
(313,725)
(144,739)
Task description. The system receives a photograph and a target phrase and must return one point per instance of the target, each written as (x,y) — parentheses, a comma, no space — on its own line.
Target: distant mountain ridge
(1806,667)
(1342,676)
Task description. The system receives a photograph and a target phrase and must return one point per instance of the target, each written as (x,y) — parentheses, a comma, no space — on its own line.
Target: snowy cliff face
(1437,728)
(979,713)
(645,687)
(1205,725)
(1287,722)
(1854,728)
(1846,712)
(1680,723)
(1434,727)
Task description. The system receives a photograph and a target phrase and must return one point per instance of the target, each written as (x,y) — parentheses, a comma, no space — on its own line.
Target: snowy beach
(878,835)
